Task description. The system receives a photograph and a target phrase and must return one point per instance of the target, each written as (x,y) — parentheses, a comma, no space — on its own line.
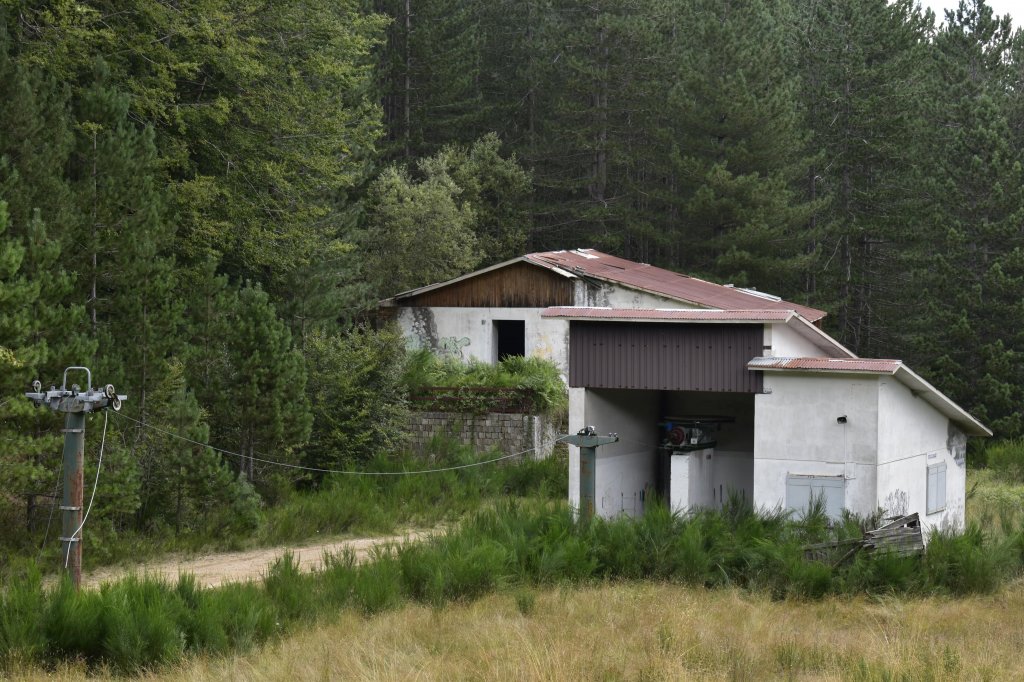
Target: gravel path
(211,570)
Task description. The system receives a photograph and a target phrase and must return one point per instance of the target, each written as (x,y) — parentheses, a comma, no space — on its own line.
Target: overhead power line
(263,460)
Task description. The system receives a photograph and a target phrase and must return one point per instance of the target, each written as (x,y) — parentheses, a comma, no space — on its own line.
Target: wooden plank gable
(517,285)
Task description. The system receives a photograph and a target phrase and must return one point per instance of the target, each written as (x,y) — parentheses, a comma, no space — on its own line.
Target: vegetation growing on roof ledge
(516,384)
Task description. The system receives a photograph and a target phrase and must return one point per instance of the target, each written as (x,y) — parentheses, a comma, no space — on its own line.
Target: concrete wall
(912,435)
(606,295)
(796,432)
(781,341)
(625,470)
(468,333)
(508,433)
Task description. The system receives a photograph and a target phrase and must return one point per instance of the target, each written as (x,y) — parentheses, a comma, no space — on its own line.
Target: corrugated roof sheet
(591,263)
(581,313)
(864,365)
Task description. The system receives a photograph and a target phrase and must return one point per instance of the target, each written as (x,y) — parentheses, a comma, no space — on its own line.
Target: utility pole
(75,403)
(588,441)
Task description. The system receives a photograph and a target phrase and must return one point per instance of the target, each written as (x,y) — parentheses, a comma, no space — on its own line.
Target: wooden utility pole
(75,403)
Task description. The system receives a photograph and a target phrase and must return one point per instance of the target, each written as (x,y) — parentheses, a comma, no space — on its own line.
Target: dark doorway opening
(510,338)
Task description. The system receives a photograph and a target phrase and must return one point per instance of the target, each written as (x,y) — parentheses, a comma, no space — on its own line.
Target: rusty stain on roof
(860,365)
(659,314)
(592,263)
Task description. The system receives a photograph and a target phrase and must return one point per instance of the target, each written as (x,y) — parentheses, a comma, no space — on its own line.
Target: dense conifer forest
(203,200)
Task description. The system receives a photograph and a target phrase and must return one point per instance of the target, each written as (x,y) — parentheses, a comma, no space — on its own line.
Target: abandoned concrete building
(713,390)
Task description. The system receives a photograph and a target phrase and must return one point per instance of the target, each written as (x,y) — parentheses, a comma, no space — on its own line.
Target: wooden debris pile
(901,535)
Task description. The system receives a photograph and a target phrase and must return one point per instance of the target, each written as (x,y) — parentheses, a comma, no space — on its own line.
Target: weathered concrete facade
(815,420)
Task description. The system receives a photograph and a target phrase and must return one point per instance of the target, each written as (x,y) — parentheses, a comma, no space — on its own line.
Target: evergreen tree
(357,396)
(184,485)
(41,327)
(738,145)
(964,336)
(121,249)
(252,381)
(865,66)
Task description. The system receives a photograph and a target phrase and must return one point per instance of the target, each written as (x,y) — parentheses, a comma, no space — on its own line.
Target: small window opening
(510,338)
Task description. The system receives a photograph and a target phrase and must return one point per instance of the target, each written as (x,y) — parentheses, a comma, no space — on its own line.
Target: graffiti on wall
(451,347)
(896,503)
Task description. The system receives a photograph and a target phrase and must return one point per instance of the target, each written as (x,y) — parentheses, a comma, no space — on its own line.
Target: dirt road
(215,569)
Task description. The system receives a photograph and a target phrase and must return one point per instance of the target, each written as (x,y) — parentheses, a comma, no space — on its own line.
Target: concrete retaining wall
(509,433)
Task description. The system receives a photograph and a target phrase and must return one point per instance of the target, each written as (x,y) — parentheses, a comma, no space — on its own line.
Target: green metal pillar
(75,404)
(588,441)
(71,507)
(588,480)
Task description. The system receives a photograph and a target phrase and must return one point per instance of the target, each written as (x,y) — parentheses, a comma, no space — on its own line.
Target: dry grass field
(646,632)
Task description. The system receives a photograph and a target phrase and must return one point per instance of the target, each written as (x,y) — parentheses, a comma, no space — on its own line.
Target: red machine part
(676,435)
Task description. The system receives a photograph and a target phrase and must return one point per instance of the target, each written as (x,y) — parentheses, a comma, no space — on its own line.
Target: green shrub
(459,566)
(290,590)
(537,376)
(202,627)
(526,601)
(141,624)
(963,563)
(337,579)
(378,584)
(246,612)
(22,632)
(74,623)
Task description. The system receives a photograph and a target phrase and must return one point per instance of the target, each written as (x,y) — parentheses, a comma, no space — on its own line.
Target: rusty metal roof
(663,314)
(860,365)
(591,263)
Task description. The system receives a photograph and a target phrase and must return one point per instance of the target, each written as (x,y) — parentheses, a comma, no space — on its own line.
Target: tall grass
(348,504)
(139,623)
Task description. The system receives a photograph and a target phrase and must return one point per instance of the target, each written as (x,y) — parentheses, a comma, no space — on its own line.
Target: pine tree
(966,337)
(864,65)
(252,381)
(184,485)
(121,250)
(41,327)
(738,145)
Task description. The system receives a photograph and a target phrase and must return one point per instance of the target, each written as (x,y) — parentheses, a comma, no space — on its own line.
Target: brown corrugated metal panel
(518,285)
(592,263)
(666,357)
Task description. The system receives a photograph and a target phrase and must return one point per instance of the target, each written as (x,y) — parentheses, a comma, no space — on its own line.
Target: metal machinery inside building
(685,460)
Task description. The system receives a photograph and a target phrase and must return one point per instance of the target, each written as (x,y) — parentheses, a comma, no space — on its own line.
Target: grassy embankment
(527,555)
(519,548)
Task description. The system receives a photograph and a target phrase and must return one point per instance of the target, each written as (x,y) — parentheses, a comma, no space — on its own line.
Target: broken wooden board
(900,535)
